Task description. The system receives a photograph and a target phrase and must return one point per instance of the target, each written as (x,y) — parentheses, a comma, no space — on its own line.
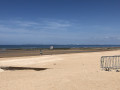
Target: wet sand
(36,52)
(75,71)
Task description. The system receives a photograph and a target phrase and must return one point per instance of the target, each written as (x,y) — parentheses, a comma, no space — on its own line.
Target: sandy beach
(74,71)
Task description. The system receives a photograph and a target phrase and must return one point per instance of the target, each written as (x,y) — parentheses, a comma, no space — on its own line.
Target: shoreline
(36,52)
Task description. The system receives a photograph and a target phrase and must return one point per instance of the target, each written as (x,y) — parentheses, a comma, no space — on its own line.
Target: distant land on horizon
(55,46)
(61,44)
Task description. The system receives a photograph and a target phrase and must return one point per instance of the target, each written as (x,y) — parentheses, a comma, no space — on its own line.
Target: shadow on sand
(23,68)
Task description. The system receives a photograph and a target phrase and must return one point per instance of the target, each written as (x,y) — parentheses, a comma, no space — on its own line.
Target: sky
(59,22)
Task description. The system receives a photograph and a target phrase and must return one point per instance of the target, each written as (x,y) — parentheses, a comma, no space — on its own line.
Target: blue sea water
(55,46)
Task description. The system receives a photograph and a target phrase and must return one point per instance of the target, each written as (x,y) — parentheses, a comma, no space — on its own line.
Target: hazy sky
(59,22)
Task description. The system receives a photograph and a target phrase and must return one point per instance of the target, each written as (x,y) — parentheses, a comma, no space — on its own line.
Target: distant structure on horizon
(51,47)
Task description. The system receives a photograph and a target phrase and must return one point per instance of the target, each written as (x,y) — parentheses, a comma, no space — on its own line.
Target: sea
(55,46)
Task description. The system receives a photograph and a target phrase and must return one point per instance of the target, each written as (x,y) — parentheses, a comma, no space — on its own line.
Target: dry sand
(77,71)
